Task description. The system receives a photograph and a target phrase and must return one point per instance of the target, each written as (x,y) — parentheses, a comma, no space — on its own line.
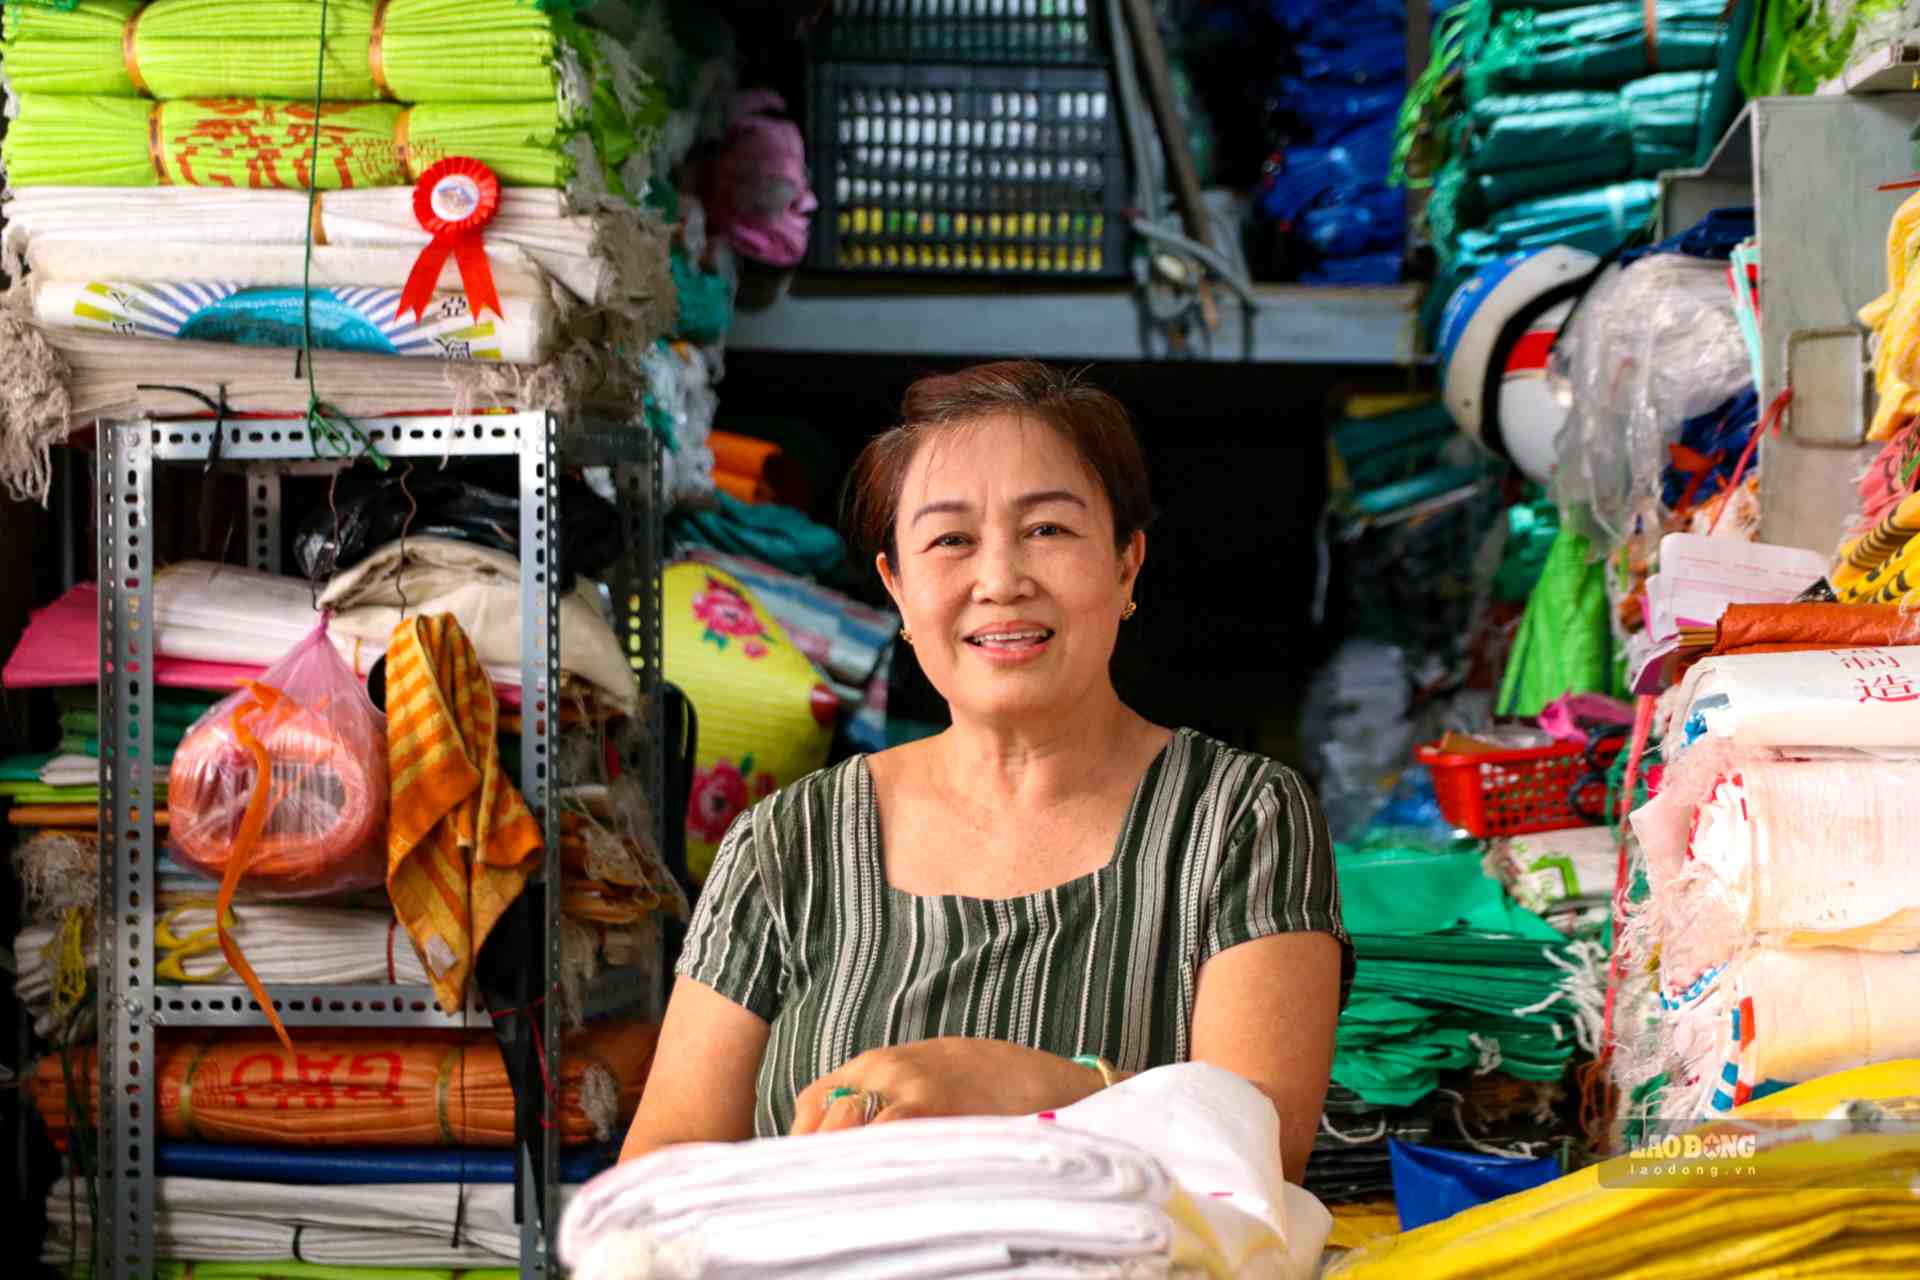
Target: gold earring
(1133,607)
(906,635)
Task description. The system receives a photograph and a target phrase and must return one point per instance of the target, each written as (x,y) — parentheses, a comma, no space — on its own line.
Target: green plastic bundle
(1796,46)
(1596,44)
(129,142)
(1565,644)
(426,50)
(1522,145)
(1597,220)
(1445,963)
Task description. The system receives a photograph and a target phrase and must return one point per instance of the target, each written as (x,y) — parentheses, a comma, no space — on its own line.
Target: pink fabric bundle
(757,194)
(62,647)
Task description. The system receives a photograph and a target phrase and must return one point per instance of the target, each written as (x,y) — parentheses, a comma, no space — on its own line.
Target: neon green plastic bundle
(130,142)
(1565,644)
(1796,45)
(423,50)
(1445,962)
(1597,44)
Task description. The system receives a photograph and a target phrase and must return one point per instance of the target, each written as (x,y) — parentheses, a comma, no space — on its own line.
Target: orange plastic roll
(366,1088)
(1786,628)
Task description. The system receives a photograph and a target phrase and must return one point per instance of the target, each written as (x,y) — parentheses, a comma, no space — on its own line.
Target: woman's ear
(888,580)
(1132,557)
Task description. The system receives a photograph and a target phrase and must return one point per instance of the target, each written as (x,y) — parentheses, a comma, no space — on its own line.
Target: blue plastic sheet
(1715,236)
(1430,1183)
(357,1166)
(1721,435)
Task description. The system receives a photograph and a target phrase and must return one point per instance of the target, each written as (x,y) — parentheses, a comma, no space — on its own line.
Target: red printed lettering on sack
(1887,688)
(1866,659)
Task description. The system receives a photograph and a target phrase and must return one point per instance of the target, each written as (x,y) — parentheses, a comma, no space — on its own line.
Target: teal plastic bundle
(1597,44)
(1393,446)
(1522,145)
(1597,220)
(1446,963)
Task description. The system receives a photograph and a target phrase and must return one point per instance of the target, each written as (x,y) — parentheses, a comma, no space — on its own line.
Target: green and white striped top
(798,924)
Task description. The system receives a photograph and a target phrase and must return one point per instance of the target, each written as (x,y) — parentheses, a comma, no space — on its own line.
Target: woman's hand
(951,1076)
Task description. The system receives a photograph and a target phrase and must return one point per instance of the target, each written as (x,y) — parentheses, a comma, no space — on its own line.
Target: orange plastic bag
(282,787)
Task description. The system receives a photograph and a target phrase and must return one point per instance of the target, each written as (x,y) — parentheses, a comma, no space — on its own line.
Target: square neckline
(871,846)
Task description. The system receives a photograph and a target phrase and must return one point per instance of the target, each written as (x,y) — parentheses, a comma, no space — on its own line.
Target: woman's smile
(1010,643)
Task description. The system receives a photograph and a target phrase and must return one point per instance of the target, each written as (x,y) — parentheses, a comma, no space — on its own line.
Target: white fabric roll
(214,1220)
(1865,699)
(1073,1192)
(1789,1016)
(585,252)
(222,613)
(363,316)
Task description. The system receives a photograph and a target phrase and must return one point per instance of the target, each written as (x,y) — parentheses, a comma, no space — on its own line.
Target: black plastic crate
(969,31)
(968,170)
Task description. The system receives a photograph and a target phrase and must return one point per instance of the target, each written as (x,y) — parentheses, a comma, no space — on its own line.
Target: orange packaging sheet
(1787,628)
(367,1089)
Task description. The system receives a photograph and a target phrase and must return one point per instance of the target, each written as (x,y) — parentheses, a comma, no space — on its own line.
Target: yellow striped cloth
(461,842)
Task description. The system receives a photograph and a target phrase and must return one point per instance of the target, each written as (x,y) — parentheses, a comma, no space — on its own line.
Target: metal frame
(132,1007)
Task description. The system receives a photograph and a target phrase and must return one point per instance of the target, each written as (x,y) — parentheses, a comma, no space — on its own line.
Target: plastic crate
(968,170)
(972,31)
(1507,793)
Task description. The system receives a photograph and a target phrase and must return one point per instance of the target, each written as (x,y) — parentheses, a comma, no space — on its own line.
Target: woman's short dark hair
(1093,422)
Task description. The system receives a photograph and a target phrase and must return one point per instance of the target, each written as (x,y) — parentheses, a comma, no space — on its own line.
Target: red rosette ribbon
(453,202)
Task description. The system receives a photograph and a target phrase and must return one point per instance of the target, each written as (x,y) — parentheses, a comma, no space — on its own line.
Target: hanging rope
(326,425)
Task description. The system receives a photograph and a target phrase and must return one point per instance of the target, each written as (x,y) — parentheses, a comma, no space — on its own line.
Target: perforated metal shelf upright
(133,1010)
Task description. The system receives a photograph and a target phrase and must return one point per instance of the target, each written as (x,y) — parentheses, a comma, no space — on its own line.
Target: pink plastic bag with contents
(282,787)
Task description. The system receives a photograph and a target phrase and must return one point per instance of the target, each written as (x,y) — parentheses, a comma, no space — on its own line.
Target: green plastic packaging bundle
(424,50)
(1596,44)
(1565,644)
(1532,528)
(1392,447)
(1445,963)
(130,142)
(1598,221)
(1521,145)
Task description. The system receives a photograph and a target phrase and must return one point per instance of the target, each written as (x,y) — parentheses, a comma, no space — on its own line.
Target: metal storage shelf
(1296,324)
(1810,167)
(133,1008)
(1892,68)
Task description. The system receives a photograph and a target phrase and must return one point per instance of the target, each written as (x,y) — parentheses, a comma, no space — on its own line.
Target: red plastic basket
(1507,793)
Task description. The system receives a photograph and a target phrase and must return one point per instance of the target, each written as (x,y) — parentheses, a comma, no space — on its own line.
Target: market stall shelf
(133,1008)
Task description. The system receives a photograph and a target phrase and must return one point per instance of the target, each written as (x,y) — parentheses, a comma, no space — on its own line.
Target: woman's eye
(1046,530)
(950,540)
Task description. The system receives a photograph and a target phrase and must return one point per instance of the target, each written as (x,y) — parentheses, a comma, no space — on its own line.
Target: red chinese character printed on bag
(1891,687)
(1867,659)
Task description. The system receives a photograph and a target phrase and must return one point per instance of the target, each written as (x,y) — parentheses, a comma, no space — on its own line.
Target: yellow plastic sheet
(1843,1207)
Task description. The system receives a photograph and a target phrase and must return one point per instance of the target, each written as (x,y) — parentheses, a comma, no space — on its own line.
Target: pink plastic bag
(757,193)
(319,825)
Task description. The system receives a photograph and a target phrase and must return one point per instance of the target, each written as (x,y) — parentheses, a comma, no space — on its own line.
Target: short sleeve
(1277,874)
(733,942)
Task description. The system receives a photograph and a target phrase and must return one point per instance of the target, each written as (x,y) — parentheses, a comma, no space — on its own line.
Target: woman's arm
(1266,1010)
(701,1085)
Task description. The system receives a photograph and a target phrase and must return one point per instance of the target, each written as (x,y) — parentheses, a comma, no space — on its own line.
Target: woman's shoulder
(814,802)
(1221,772)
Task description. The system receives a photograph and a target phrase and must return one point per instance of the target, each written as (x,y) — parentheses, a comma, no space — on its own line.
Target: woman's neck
(1018,767)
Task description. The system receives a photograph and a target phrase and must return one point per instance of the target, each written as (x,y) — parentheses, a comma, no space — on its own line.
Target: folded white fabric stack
(220,613)
(216,1220)
(1781,892)
(1175,1172)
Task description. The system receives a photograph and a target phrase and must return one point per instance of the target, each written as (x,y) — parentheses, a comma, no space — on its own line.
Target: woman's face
(1007,573)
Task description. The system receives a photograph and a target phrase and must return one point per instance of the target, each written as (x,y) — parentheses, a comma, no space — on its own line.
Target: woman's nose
(1002,572)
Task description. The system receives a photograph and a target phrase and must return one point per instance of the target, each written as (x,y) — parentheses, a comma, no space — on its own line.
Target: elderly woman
(1050,895)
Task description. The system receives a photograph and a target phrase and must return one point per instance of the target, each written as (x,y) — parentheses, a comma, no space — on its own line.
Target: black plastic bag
(440,506)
